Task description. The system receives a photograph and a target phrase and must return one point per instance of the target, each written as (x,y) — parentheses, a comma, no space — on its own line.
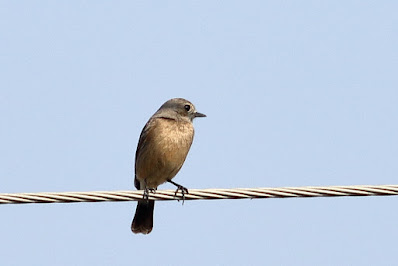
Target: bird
(162,148)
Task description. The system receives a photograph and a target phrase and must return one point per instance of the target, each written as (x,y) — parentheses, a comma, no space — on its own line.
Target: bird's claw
(146,192)
(183,191)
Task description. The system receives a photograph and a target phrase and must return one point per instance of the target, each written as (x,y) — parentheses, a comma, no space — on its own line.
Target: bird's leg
(179,187)
(146,192)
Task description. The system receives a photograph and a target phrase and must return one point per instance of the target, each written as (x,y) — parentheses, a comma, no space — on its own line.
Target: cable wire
(200,194)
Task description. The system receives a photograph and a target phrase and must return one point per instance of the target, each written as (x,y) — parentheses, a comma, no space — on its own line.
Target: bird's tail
(143,218)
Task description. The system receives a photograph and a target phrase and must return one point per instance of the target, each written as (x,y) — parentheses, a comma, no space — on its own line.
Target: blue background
(297,93)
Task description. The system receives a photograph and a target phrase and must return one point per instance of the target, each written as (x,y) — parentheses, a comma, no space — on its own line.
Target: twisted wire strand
(200,194)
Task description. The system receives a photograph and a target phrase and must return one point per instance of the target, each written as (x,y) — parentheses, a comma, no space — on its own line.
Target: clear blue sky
(297,93)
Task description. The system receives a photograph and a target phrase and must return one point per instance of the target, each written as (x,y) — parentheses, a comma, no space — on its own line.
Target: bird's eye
(187,107)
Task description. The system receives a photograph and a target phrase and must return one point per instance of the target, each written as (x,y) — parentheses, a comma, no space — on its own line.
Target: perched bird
(162,148)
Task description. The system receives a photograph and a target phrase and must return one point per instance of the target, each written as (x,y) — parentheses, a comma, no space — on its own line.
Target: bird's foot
(146,192)
(183,191)
(179,188)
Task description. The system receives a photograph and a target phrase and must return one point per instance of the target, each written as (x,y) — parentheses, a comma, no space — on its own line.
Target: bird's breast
(166,146)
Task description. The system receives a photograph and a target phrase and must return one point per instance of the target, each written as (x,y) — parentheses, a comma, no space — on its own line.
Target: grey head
(178,109)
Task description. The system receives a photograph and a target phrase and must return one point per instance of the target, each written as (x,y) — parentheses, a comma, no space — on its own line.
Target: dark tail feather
(143,218)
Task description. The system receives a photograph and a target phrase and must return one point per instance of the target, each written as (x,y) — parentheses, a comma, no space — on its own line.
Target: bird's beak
(197,114)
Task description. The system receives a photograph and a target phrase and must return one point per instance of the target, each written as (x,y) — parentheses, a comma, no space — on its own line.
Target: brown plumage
(162,148)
